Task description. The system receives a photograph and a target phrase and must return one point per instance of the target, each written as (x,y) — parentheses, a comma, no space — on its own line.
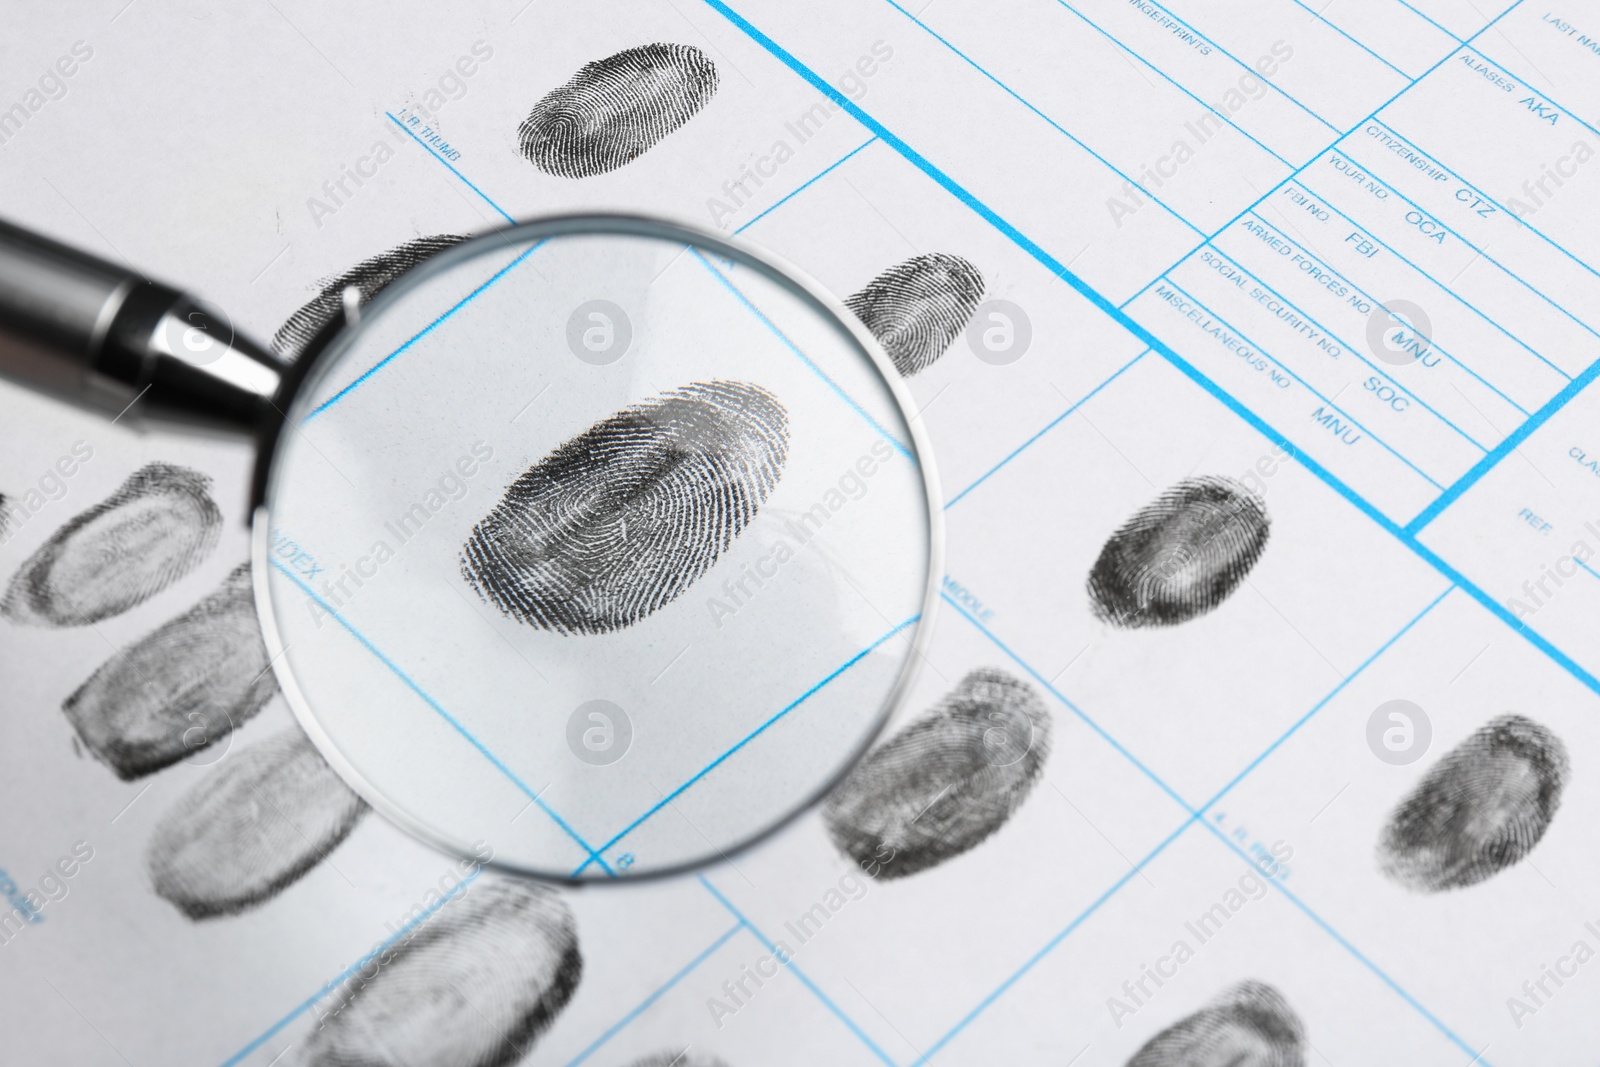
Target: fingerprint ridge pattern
(917,308)
(370,277)
(157,527)
(1482,808)
(618,521)
(1181,555)
(615,109)
(944,783)
(1250,1024)
(254,825)
(475,985)
(185,685)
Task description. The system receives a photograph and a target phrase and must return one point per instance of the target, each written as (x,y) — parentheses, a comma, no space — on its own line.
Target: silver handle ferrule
(100,336)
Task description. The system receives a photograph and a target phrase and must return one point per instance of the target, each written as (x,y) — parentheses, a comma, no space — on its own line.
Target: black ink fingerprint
(178,689)
(621,519)
(5,515)
(615,109)
(258,821)
(475,986)
(944,783)
(369,277)
(1479,810)
(153,530)
(916,308)
(1249,1025)
(1181,555)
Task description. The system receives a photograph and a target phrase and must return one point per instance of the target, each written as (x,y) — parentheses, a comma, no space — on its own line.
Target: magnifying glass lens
(598,551)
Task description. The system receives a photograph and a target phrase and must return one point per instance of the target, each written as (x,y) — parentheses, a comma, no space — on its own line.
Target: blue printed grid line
(1437,562)
(1276,227)
(1353,349)
(1100,731)
(1221,395)
(741,924)
(1425,18)
(1052,424)
(1427,555)
(343,976)
(803,186)
(1480,194)
(660,991)
(1325,202)
(1587,569)
(1241,63)
(1051,945)
(1241,334)
(420,334)
(1405,536)
(1261,427)
(1374,302)
(795,350)
(453,170)
(1342,135)
(1095,905)
(1500,611)
(1546,97)
(1504,449)
(454,723)
(1362,958)
(1258,219)
(1052,122)
(1335,691)
(594,855)
(1195,815)
(793,968)
(741,743)
(1255,211)
(939,177)
(1481,254)
(1336,28)
(1173,81)
(1077,921)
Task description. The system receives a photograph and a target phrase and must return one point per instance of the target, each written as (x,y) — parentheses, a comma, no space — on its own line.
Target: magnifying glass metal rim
(325,352)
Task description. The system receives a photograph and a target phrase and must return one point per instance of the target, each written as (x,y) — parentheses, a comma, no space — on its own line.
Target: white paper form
(1282,305)
(1177,755)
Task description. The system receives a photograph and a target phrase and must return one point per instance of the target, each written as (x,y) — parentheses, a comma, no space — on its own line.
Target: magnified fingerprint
(153,530)
(1181,555)
(475,986)
(369,276)
(621,519)
(944,783)
(616,109)
(1249,1025)
(252,827)
(1479,810)
(916,308)
(178,689)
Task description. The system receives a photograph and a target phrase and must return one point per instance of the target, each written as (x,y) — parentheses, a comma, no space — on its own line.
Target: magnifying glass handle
(106,338)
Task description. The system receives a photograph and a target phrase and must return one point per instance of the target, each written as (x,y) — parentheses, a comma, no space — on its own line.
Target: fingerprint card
(1178,650)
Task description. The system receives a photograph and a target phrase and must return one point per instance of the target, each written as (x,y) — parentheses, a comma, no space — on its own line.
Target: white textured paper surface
(1198,249)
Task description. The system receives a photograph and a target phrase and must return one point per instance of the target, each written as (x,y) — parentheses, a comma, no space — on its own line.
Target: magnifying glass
(598,544)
